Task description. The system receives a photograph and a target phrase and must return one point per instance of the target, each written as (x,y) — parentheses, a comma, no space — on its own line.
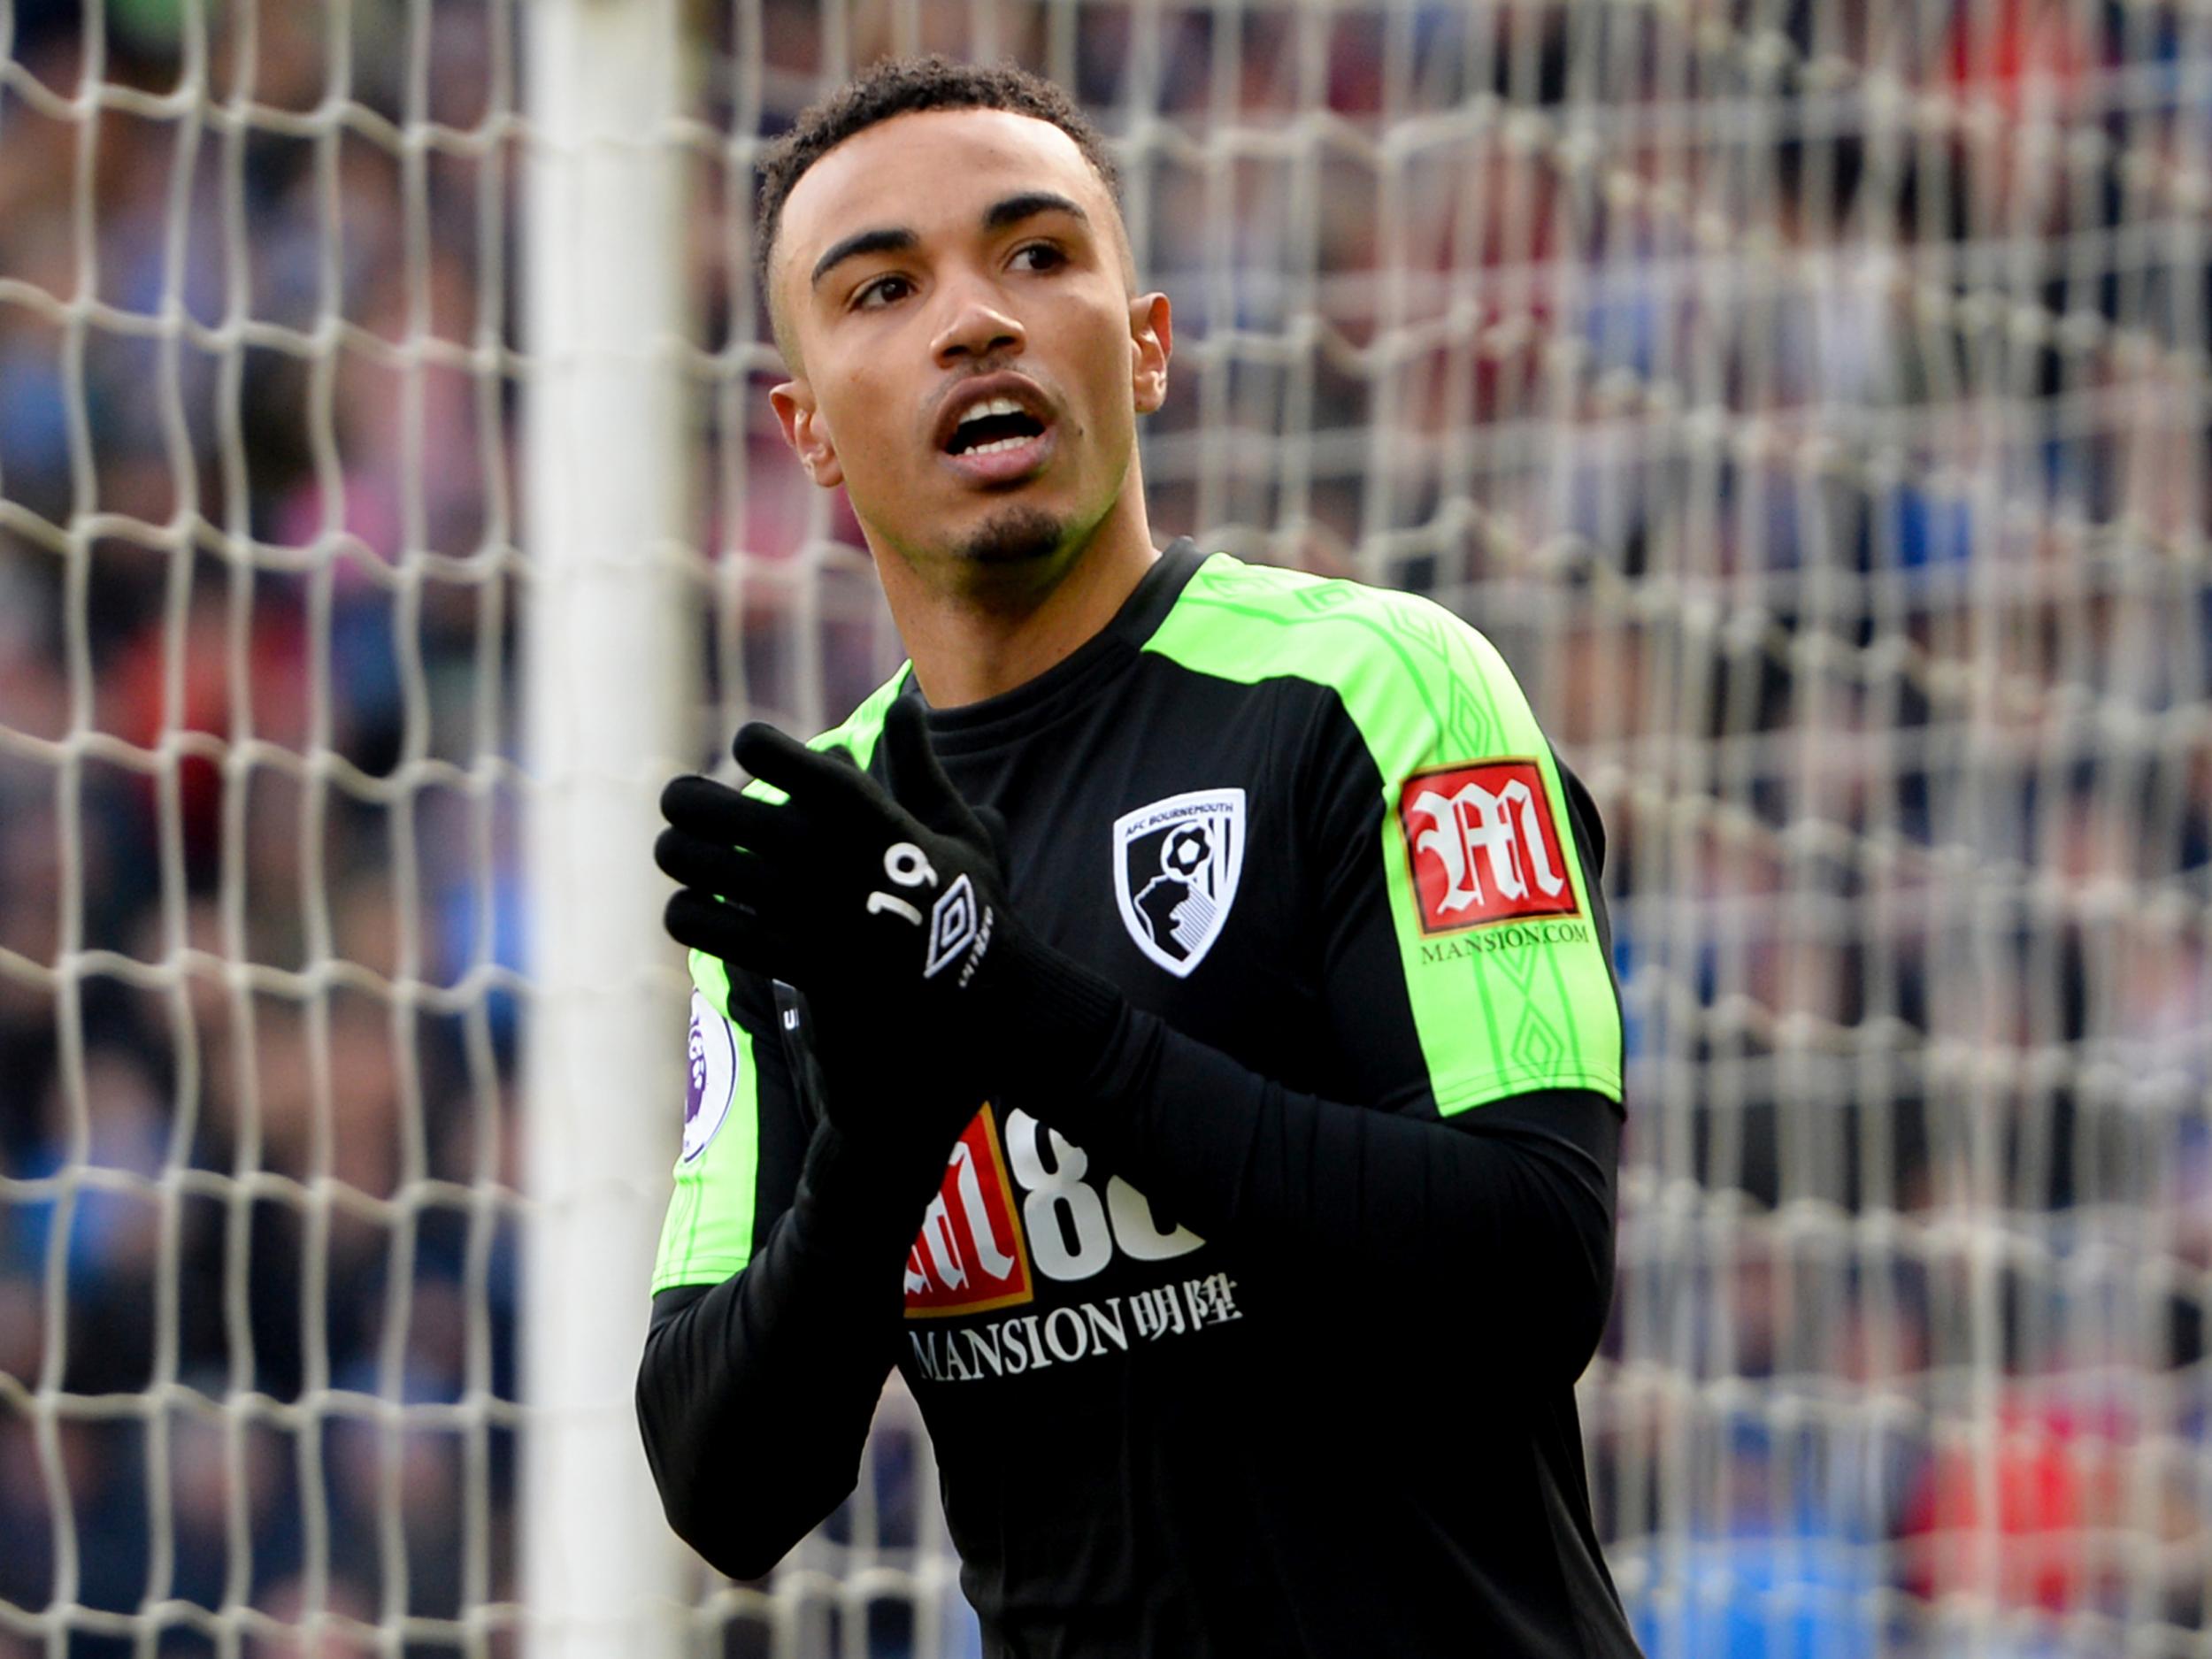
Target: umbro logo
(954,923)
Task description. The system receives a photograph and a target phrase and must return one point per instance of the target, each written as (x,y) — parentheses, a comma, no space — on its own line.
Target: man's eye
(880,292)
(1042,256)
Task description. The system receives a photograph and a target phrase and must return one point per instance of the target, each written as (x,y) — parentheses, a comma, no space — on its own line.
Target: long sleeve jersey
(1261,1337)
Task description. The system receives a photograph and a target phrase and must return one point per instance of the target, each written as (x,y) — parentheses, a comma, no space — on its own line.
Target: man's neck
(975,639)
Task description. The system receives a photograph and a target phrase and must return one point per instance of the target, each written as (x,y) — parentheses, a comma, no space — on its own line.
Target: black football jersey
(1314,828)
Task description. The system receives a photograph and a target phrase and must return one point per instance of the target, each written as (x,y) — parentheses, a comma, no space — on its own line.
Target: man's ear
(807,433)
(1151,343)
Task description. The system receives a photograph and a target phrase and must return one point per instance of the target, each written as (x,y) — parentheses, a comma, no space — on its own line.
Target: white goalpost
(1812,401)
(609,654)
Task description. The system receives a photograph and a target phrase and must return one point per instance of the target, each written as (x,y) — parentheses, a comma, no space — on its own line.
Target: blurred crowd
(1810,397)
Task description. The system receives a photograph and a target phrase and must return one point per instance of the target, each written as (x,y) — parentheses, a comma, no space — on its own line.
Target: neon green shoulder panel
(1498,1012)
(708,1233)
(859,730)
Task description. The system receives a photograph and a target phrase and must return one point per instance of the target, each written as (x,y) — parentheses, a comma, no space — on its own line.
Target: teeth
(993,448)
(997,406)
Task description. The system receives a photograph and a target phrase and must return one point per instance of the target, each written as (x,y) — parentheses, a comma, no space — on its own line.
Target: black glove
(888,910)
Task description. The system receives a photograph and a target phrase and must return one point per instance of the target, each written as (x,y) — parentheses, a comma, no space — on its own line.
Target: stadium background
(1810,396)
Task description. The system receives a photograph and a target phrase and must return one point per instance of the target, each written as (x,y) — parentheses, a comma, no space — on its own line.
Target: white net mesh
(1811,399)
(256,790)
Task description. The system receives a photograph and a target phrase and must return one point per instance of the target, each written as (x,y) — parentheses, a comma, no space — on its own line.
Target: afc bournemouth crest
(1176,865)
(1482,846)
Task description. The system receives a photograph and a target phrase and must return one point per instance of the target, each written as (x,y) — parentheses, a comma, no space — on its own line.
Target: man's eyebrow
(1028,204)
(891,239)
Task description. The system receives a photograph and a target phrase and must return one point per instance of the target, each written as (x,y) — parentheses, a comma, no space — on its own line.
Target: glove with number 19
(888,910)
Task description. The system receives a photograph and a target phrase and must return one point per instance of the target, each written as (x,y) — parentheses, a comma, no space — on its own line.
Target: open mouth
(997,425)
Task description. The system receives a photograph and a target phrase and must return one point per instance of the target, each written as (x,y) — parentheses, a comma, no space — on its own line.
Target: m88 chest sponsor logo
(1012,1210)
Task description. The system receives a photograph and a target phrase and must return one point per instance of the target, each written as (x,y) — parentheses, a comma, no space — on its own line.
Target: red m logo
(1482,846)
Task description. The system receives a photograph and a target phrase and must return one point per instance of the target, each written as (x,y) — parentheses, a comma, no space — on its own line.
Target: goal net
(1811,400)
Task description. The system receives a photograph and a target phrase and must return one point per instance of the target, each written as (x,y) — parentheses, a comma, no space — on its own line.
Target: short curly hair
(907,86)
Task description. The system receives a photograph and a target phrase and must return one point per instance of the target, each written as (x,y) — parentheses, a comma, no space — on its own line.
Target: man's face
(970,361)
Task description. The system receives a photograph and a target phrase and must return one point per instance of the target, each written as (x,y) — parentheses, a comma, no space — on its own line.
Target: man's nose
(976,327)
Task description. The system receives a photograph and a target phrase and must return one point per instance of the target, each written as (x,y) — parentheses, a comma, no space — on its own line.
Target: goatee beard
(1018,535)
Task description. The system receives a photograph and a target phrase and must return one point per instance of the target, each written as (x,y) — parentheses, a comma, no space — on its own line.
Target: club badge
(1176,865)
(713,1084)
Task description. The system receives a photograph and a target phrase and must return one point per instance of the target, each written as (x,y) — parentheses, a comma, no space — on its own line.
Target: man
(1170,1021)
